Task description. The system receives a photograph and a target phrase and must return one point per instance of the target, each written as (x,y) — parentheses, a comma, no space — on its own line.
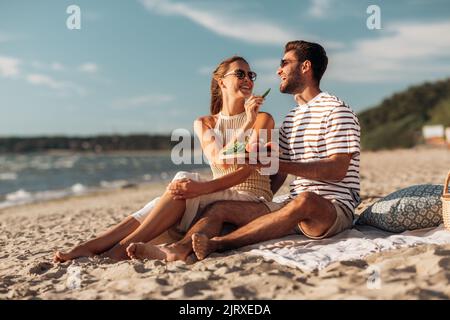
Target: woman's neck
(232,106)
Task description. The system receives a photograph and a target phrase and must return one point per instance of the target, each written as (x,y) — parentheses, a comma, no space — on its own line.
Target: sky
(144,66)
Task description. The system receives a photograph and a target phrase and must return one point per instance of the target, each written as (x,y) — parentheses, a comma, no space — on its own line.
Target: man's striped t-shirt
(317,130)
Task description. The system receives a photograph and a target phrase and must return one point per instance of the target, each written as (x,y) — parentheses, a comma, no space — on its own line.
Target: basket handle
(444,192)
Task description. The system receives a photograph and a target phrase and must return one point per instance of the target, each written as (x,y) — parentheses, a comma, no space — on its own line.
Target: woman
(231,118)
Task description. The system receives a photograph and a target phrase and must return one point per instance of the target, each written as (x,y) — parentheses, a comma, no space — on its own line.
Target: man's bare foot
(118,252)
(148,251)
(202,245)
(76,252)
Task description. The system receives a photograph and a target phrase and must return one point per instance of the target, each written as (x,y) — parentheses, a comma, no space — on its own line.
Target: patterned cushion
(411,208)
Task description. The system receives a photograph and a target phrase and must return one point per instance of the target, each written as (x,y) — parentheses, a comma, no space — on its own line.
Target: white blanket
(305,254)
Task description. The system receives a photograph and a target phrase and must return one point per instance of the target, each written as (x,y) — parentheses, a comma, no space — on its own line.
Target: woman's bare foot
(117,253)
(77,252)
(142,250)
(202,245)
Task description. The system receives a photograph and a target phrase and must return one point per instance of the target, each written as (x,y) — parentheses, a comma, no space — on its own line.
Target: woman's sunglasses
(240,74)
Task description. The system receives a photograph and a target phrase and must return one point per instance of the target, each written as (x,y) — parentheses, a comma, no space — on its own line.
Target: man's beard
(292,85)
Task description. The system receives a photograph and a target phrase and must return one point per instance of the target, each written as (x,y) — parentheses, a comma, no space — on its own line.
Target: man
(319,144)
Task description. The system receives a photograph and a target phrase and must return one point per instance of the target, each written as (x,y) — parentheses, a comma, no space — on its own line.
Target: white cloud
(88,67)
(9,67)
(406,51)
(250,30)
(56,66)
(47,81)
(319,8)
(150,100)
(44,80)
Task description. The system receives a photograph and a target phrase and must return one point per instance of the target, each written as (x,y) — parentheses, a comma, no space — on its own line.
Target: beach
(31,233)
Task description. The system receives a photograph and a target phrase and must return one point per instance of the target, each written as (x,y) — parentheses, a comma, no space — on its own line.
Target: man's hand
(186,189)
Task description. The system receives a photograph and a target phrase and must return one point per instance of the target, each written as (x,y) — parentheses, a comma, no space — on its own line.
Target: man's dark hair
(311,51)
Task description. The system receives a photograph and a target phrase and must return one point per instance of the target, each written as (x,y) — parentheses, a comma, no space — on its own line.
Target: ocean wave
(8,176)
(114,184)
(22,196)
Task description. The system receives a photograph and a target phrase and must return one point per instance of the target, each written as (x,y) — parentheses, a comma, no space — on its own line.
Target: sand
(31,233)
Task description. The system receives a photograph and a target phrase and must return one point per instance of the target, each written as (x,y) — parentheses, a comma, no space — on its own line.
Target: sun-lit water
(33,177)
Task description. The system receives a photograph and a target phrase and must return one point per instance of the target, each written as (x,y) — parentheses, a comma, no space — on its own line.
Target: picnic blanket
(298,251)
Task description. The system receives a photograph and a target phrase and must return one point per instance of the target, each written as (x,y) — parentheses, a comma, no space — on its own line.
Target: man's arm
(333,168)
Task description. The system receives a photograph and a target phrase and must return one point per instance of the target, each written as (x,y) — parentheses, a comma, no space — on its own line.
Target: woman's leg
(164,215)
(101,243)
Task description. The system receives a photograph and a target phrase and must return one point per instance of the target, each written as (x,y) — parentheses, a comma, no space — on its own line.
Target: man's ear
(306,66)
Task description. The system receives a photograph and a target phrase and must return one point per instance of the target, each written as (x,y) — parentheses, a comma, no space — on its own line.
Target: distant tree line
(398,120)
(89,144)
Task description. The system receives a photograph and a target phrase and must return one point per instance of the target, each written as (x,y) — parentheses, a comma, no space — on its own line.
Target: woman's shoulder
(265,118)
(264,115)
(208,120)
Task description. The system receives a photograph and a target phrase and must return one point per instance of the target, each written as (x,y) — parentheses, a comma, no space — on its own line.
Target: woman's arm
(186,188)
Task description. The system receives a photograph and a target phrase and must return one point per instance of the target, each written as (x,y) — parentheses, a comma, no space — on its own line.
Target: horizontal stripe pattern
(323,127)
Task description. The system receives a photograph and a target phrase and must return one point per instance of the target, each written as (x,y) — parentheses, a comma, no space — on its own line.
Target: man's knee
(303,204)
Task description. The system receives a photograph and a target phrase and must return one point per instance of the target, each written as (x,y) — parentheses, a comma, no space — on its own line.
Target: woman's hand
(186,189)
(252,106)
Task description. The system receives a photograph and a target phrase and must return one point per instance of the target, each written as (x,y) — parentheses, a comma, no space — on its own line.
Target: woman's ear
(221,84)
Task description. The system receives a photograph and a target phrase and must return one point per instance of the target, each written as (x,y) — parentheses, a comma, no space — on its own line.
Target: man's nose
(279,70)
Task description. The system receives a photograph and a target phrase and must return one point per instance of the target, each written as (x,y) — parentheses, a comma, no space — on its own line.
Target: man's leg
(314,213)
(210,224)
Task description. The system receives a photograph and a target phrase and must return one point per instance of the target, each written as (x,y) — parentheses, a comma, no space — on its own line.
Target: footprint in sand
(442,252)
(361,264)
(425,294)
(243,292)
(408,269)
(140,268)
(40,268)
(195,288)
(444,263)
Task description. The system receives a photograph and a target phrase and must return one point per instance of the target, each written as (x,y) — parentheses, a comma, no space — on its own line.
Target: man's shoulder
(333,104)
(328,100)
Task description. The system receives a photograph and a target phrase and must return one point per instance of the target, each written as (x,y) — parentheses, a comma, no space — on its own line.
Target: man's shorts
(344,218)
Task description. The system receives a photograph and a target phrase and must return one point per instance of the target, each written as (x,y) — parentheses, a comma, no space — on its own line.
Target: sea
(27,178)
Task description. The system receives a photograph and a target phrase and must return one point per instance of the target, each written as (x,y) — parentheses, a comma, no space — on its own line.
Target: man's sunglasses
(240,74)
(284,62)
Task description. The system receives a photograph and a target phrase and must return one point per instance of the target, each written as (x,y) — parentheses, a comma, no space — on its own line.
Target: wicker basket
(446,203)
